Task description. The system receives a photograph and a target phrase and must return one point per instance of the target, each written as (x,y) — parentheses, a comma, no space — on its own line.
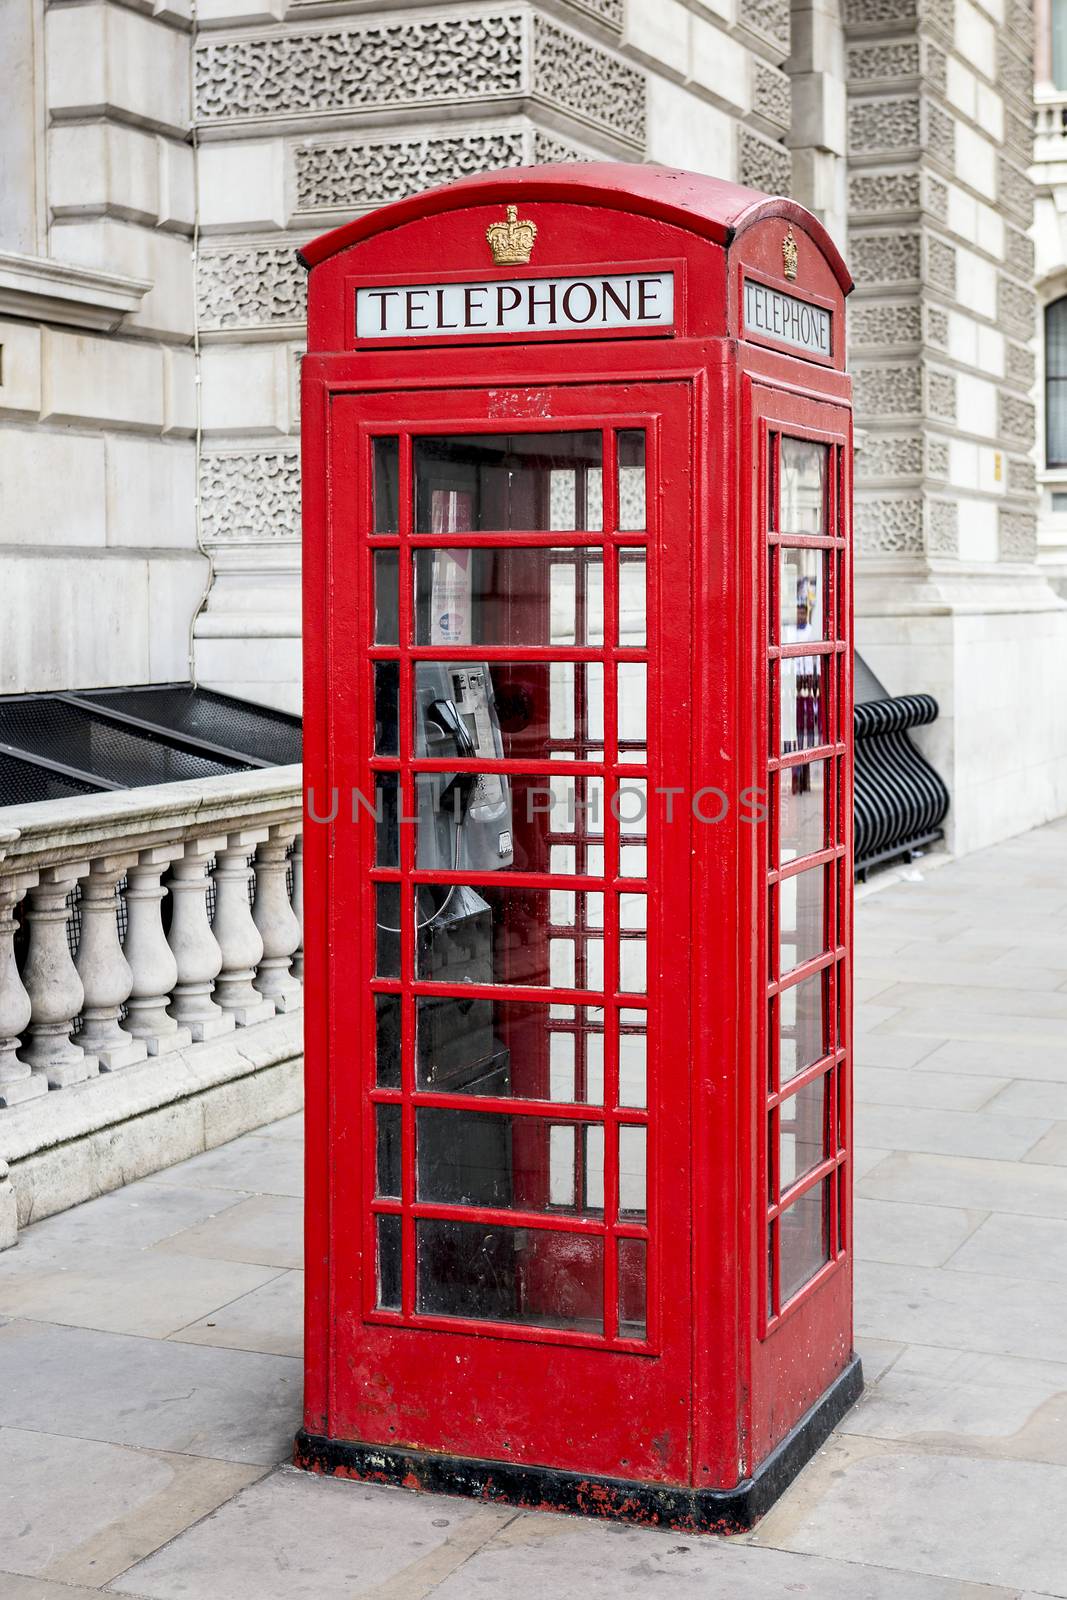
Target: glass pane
(802,1132)
(487,934)
(387,929)
(389,1235)
(632,1291)
(632,1173)
(386,819)
(801,1026)
(386,707)
(801,794)
(804,1235)
(516,710)
(633,603)
(385,456)
(530,1275)
(483,821)
(631,448)
(508,1048)
(633,1059)
(386,597)
(388,1148)
(387,1027)
(632,690)
(504,595)
(534,481)
(633,954)
(802,595)
(802,718)
(802,917)
(802,496)
(489,1158)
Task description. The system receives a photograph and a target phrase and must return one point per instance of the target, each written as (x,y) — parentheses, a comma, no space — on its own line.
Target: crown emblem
(512,241)
(789,255)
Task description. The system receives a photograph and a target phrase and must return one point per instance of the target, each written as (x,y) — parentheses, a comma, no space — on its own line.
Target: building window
(1056,383)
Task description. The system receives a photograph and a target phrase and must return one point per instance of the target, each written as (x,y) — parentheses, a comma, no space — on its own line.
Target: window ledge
(57,291)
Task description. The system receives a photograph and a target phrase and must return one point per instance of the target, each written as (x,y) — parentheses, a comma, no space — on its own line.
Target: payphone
(577,576)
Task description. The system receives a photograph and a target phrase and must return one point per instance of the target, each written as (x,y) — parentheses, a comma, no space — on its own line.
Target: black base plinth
(546,1489)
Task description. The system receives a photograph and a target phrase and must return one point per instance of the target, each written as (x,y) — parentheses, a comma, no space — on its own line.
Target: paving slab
(231,1405)
(253,1163)
(934,1091)
(883,1505)
(14,1586)
(897,1231)
(293,1127)
(137,1215)
(967,1311)
(1027,1097)
(270,1319)
(78,1511)
(1051,1151)
(263,1230)
(952,1133)
(877,1355)
(1010,1186)
(1024,1058)
(892,1050)
(1021,1247)
(298,1537)
(142,1292)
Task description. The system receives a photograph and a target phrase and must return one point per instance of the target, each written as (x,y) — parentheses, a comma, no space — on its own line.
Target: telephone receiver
(455,797)
(465,817)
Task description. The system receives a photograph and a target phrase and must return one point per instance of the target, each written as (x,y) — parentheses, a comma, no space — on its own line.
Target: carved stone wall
(250,496)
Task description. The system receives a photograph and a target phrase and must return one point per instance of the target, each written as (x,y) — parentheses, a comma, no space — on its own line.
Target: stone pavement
(150,1380)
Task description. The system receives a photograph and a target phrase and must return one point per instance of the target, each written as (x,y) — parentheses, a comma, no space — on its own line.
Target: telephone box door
(509,630)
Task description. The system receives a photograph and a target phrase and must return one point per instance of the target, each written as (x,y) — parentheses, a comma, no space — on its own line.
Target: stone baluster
(297,859)
(238,937)
(195,947)
(52,982)
(155,971)
(273,915)
(104,971)
(18,1081)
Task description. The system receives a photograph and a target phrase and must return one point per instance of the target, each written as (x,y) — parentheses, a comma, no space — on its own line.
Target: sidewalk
(149,1353)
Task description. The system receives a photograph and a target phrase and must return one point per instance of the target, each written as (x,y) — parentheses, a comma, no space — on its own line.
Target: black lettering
(469,291)
(381,295)
(568,310)
(534,303)
(608,292)
(409,297)
(441,323)
(516,299)
(647,290)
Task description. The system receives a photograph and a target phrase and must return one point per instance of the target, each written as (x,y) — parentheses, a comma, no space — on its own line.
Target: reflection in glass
(632,710)
(387,1028)
(499,934)
(633,603)
(632,1288)
(802,716)
(387,821)
(386,707)
(633,1143)
(633,914)
(802,495)
(389,1234)
(802,1132)
(388,1151)
(631,448)
(509,1048)
(385,467)
(801,794)
(529,1275)
(802,917)
(633,1059)
(804,1235)
(506,481)
(493,1159)
(386,597)
(801,594)
(519,710)
(801,1026)
(387,930)
(500,595)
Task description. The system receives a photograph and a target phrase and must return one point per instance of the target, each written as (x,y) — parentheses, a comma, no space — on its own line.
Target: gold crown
(512,241)
(789,254)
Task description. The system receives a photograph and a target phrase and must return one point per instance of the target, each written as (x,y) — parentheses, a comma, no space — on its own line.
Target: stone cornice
(57,291)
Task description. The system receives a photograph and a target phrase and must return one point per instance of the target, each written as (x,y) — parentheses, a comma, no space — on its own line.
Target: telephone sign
(577,635)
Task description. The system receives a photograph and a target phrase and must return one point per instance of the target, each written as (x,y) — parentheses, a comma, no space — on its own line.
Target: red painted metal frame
(717,1383)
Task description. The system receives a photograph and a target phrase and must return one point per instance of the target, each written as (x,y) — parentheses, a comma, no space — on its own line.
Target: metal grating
(24,781)
(86,741)
(273,737)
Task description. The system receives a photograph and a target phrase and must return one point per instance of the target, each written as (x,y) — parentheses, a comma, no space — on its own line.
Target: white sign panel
(517,305)
(782,316)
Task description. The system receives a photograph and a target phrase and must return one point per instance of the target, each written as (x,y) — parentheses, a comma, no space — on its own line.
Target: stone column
(298,903)
(52,982)
(196,950)
(278,926)
(103,969)
(18,1081)
(238,937)
(155,971)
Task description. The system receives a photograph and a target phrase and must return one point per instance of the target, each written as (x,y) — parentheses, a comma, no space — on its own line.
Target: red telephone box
(577,491)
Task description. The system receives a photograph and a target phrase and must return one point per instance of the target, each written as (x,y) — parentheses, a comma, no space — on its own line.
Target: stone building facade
(162,159)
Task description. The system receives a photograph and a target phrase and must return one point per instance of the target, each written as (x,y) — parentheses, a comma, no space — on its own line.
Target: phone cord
(443,907)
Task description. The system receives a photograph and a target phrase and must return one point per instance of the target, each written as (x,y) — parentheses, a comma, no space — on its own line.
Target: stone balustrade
(143,922)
